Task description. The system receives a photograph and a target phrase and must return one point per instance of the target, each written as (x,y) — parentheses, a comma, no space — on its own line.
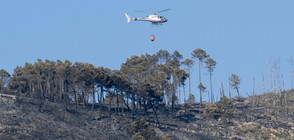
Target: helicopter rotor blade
(153,12)
(143,12)
(162,11)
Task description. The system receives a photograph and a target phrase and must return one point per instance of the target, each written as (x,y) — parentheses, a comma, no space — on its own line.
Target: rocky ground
(268,116)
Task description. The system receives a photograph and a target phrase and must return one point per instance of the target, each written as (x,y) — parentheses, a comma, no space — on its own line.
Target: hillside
(268,116)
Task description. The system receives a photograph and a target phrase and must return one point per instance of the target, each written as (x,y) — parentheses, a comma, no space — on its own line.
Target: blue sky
(244,37)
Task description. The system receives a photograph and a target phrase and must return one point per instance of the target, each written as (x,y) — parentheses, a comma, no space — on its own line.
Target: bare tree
(253,90)
(230,95)
(271,75)
(292,75)
(263,87)
(277,75)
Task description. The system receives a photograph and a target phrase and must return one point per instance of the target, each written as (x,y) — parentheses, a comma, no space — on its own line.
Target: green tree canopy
(4,78)
(235,82)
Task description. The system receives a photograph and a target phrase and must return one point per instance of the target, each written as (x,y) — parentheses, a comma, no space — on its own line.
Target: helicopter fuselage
(154,19)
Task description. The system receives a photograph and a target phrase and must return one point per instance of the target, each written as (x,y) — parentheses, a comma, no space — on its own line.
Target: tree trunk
(200,81)
(101,95)
(238,91)
(93,102)
(40,89)
(211,93)
(155,113)
(184,93)
(61,86)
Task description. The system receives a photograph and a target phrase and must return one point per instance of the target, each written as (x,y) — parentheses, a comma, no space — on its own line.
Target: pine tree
(201,56)
(189,65)
(210,65)
(235,82)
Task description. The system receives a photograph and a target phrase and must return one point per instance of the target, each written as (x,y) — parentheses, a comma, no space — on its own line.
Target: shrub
(137,136)
(141,129)
(167,137)
(224,108)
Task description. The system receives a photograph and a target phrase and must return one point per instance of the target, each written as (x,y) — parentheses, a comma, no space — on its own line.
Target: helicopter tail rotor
(128,17)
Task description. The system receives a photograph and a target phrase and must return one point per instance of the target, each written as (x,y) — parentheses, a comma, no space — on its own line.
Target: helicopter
(153,17)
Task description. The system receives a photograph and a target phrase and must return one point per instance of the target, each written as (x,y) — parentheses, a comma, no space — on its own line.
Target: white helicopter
(153,18)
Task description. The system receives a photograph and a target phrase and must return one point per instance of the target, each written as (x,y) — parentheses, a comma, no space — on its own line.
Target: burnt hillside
(267,116)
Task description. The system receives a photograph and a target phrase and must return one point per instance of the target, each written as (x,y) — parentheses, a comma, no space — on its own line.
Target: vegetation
(4,78)
(150,85)
(259,132)
(235,82)
(189,66)
(223,108)
(191,99)
(210,65)
(201,56)
(143,82)
(141,130)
